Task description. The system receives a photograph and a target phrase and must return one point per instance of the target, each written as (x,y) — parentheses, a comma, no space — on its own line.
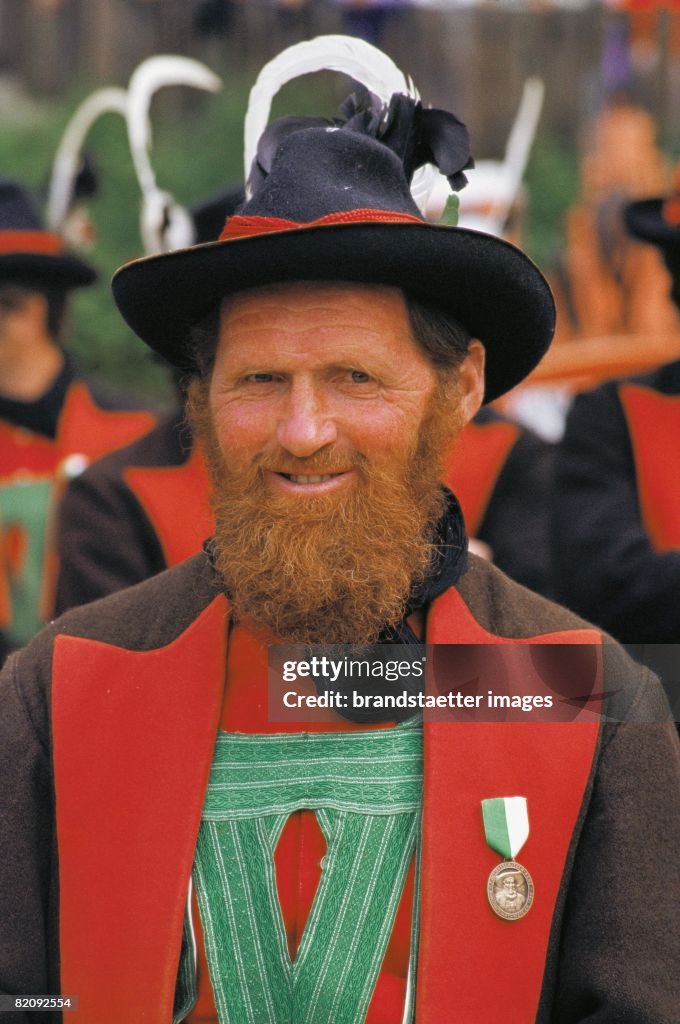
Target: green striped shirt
(366,791)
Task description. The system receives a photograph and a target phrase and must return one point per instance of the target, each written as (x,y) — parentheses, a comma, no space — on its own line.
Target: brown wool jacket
(614,937)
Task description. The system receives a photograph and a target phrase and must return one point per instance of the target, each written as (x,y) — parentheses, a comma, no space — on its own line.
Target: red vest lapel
(473,966)
(86,428)
(133,742)
(474,464)
(162,491)
(654,426)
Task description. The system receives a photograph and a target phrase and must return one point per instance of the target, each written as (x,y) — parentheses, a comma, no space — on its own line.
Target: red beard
(333,568)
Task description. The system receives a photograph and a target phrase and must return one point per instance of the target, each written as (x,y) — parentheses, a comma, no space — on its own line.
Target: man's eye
(359,377)
(260,378)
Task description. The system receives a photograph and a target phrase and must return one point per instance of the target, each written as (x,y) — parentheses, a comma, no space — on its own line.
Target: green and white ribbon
(506,824)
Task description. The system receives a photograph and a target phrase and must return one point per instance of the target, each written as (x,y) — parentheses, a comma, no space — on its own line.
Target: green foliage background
(197,149)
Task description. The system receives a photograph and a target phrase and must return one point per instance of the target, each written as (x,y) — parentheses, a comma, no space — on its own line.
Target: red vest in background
(474,464)
(165,493)
(653,422)
(33,471)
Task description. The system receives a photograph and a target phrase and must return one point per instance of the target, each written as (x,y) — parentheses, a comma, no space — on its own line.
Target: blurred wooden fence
(472,60)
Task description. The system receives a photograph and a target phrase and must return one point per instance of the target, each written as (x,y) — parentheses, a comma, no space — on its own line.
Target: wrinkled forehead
(316,319)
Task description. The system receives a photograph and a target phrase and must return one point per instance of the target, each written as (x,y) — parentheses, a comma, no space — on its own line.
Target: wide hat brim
(644,219)
(488,285)
(60,271)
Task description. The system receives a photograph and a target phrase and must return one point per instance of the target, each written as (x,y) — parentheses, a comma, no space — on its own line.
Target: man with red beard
(345,451)
(171,853)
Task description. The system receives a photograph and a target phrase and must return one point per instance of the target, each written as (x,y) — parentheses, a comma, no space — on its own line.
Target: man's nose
(306,424)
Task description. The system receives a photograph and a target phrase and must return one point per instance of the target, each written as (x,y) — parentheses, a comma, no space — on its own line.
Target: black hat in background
(657,220)
(650,220)
(28,250)
(335,205)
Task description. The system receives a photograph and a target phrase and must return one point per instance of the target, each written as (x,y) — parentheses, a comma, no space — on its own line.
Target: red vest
(163,493)
(654,426)
(33,471)
(133,743)
(474,464)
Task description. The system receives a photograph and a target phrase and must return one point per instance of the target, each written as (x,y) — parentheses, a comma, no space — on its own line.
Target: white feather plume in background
(164,223)
(67,158)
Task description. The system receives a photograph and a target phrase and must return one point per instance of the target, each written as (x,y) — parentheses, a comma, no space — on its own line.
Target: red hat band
(239,226)
(43,243)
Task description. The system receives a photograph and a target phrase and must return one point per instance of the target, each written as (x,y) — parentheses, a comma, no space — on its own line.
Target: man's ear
(470,381)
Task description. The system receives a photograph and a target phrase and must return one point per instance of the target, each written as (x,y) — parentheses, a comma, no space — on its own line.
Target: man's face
(313,378)
(325,426)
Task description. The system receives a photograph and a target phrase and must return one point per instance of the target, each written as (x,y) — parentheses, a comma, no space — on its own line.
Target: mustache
(320,463)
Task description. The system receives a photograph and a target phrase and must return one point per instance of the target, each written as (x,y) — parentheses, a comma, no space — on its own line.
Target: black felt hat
(27,250)
(335,205)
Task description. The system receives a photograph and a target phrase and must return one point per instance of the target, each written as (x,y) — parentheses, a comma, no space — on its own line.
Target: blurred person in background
(118,521)
(616,515)
(614,285)
(52,420)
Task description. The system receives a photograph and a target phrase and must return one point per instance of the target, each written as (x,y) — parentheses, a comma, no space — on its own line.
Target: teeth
(311,479)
